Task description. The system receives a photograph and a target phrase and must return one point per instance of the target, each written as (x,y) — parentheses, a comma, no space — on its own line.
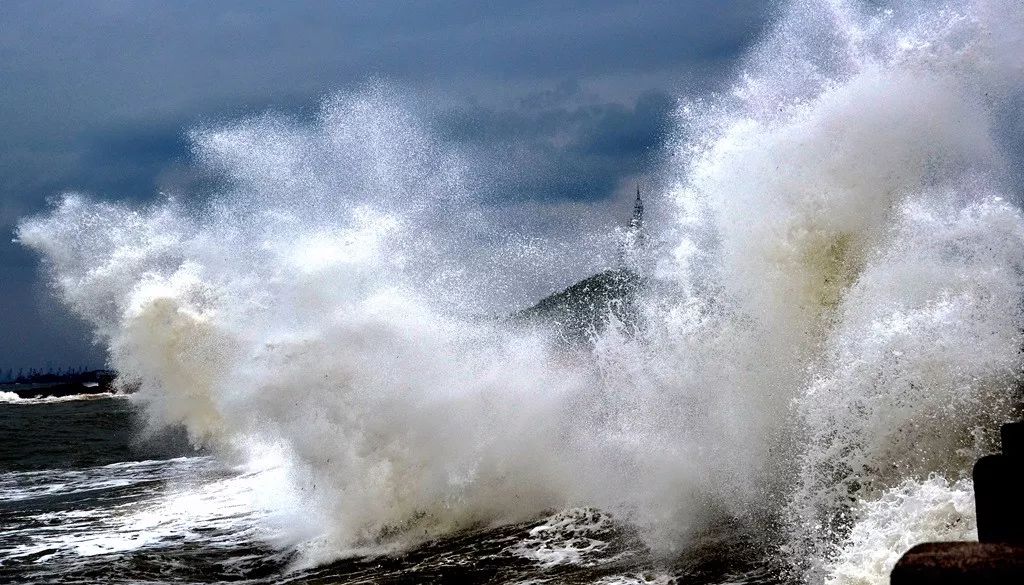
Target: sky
(572,99)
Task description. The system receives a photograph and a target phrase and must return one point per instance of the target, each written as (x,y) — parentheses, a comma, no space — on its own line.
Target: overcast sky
(99,96)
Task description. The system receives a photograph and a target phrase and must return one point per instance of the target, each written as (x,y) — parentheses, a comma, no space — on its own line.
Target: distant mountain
(585,307)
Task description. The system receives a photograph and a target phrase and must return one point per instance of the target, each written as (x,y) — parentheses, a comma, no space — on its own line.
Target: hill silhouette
(585,308)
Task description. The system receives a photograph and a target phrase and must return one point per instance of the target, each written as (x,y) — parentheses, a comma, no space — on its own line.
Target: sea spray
(309,308)
(833,315)
(863,217)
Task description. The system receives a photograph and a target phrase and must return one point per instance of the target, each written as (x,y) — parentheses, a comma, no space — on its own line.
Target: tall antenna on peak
(637,222)
(633,239)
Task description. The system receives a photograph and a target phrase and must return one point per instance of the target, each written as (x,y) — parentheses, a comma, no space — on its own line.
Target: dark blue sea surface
(86,496)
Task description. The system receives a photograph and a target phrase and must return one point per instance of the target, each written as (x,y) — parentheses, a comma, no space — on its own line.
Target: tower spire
(637,222)
(633,238)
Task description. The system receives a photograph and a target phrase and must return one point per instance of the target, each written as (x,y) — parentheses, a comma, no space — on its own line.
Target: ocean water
(828,336)
(88,497)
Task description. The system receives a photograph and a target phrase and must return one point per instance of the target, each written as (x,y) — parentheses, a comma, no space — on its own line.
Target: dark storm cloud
(555,100)
(561,151)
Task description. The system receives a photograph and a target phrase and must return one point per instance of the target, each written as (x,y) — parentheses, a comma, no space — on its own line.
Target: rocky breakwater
(59,385)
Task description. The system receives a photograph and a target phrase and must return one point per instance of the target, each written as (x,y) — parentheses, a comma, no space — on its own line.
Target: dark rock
(999,499)
(960,563)
(1013,439)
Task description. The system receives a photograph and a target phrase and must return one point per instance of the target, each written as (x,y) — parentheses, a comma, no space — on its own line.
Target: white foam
(14,398)
(185,499)
(639,579)
(908,514)
(572,536)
